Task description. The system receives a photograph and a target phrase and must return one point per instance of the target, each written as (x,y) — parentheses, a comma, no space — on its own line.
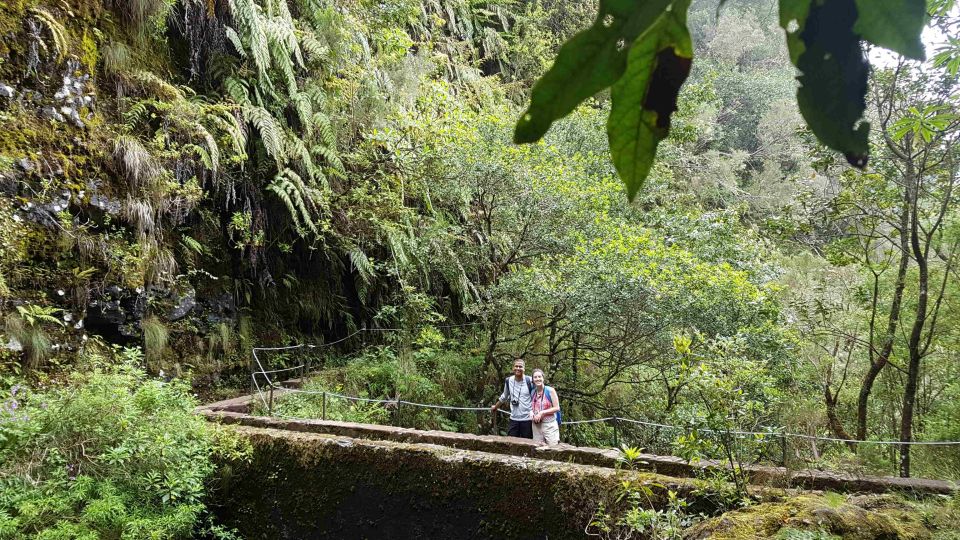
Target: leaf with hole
(833,75)
(588,63)
(646,97)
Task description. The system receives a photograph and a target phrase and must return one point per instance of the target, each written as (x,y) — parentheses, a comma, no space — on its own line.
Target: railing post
(783,449)
(493,421)
(616,436)
(270,405)
(323,410)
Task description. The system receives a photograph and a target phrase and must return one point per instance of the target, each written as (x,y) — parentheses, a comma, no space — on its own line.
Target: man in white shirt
(518,390)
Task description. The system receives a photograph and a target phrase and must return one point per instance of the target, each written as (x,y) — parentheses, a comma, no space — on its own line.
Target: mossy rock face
(302,485)
(832,516)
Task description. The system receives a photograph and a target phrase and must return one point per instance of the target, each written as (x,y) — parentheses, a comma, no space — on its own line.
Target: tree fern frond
(205,159)
(237,89)
(213,149)
(397,243)
(315,49)
(271,133)
(317,97)
(281,33)
(228,124)
(297,150)
(325,129)
(362,264)
(330,156)
(302,104)
(249,19)
(289,187)
(234,38)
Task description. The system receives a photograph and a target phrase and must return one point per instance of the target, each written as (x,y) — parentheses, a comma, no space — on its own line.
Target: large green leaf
(646,96)
(894,24)
(588,63)
(833,75)
(793,15)
(642,48)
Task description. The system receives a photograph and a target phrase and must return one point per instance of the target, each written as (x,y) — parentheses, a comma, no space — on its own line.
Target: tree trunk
(919,321)
(878,362)
(836,426)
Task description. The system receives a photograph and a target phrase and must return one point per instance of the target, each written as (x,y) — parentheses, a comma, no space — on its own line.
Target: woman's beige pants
(546,432)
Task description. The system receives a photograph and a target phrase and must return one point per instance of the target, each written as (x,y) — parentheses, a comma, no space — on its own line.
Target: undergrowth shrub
(107,454)
(438,374)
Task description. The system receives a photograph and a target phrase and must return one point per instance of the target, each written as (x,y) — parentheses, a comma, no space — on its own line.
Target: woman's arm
(554,402)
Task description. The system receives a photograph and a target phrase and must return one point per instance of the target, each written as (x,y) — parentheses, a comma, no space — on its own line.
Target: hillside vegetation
(181,181)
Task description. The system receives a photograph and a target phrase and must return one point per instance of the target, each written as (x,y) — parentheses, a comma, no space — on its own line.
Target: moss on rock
(301,485)
(853,518)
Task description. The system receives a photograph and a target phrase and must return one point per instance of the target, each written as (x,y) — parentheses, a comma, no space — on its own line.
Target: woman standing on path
(546,404)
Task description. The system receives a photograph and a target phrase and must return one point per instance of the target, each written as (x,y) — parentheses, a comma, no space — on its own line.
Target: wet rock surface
(184,299)
(116,314)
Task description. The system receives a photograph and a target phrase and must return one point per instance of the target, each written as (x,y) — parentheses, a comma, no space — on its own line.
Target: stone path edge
(236,411)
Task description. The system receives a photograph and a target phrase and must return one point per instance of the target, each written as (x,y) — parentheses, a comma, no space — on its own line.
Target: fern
(265,78)
(289,187)
(212,154)
(251,28)
(229,125)
(237,90)
(191,244)
(234,38)
(302,103)
(138,112)
(297,150)
(315,49)
(271,134)
(362,264)
(327,149)
(156,85)
(58,33)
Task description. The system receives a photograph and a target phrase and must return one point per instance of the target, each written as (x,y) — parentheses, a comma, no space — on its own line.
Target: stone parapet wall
(309,486)
(236,412)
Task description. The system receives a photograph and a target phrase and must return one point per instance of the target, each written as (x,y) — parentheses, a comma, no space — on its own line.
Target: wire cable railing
(614,419)
(271,388)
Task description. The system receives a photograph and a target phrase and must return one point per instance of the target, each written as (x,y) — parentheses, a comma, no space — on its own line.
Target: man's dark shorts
(521,428)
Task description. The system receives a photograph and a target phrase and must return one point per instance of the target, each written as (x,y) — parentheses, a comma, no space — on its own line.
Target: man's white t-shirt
(519,391)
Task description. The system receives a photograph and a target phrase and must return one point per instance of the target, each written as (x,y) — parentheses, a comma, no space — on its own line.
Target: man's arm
(502,398)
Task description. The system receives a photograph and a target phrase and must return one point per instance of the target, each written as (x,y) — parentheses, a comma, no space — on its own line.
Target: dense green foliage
(196,178)
(105,454)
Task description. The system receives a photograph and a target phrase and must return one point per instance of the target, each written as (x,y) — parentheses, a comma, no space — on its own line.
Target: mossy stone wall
(304,486)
